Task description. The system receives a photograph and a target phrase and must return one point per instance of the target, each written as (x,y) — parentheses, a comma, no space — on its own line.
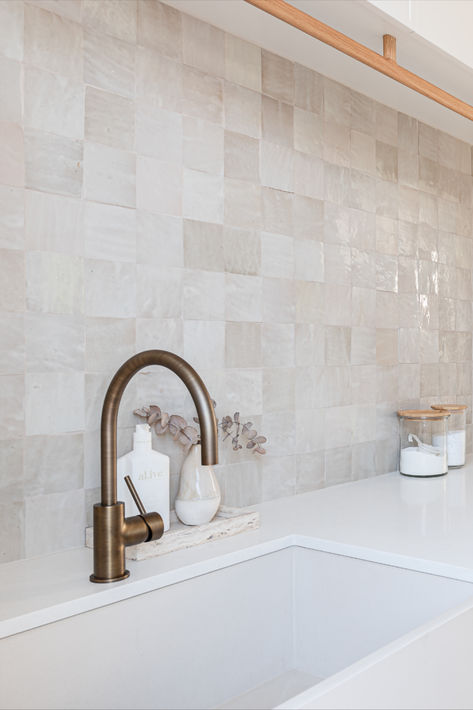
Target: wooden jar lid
(450,407)
(419,414)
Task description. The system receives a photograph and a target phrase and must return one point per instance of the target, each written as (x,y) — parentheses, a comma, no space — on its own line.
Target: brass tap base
(98,580)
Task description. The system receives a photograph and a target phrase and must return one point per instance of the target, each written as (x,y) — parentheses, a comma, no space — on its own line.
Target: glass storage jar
(456,435)
(423,442)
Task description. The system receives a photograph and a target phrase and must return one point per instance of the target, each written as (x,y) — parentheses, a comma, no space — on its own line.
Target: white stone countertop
(419,524)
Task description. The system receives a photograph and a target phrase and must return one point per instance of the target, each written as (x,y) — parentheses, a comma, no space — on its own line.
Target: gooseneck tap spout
(112,531)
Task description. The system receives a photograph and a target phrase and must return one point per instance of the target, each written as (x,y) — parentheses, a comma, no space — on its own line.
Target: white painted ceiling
(366,23)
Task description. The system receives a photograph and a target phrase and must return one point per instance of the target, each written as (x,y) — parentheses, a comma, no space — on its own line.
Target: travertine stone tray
(228,521)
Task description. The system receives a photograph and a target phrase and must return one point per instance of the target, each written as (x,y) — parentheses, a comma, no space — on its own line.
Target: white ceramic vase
(198,498)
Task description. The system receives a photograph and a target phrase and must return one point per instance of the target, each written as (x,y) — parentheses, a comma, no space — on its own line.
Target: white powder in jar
(415,462)
(456,445)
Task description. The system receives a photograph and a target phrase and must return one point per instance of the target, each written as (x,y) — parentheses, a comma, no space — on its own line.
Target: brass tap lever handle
(134,495)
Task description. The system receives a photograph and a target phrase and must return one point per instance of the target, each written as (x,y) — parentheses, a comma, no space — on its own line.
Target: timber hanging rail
(384,63)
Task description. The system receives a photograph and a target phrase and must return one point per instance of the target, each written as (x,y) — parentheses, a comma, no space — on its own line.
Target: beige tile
(386,273)
(10,88)
(242,62)
(54,403)
(308,130)
(338,304)
(53,464)
(203,46)
(66,515)
(12,406)
(52,42)
(338,427)
(203,246)
(243,298)
(386,346)
(202,95)
(159,292)
(53,103)
(12,485)
(281,297)
(337,102)
(363,346)
(310,430)
(159,240)
(310,299)
(308,175)
(53,163)
(109,289)
(54,342)
(11,218)
(241,157)
(243,345)
(203,295)
(12,531)
(203,145)
(277,255)
(336,144)
(109,232)
(308,217)
(337,264)
(160,27)
(363,113)
(309,260)
(114,17)
(279,475)
(277,76)
(109,175)
(337,184)
(109,64)
(158,186)
(278,389)
(337,345)
(242,251)
(242,204)
(362,191)
(277,211)
(362,152)
(109,119)
(12,270)
(336,390)
(364,306)
(277,166)
(204,344)
(386,124)
(54,283)
(244,392)
(151,123)
(308,89)
(242,110)
(277,122)
(278,344)
(53,223)
(363,268)
(108,343)
(12,155)
(309,471)
(202,196)
(12,344)
(309,344)
(11,29)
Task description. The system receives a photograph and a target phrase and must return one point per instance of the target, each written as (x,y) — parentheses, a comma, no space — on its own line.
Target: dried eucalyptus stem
(187,435)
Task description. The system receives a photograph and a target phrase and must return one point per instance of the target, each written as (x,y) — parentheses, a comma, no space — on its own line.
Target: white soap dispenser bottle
(149,471)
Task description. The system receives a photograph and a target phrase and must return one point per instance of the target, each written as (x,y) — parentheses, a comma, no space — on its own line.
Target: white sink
(253,635)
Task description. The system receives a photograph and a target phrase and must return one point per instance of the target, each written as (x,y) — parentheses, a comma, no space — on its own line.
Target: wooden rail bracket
(389,47)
